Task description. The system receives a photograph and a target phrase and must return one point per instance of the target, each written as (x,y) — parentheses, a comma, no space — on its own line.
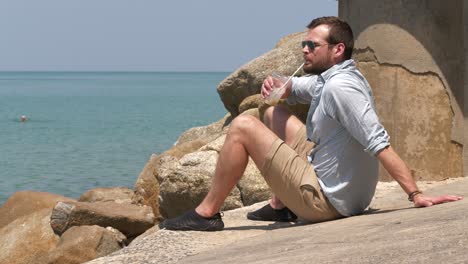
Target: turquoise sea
(95,129)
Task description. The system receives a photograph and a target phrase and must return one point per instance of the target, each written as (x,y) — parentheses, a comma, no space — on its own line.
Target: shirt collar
(335,68)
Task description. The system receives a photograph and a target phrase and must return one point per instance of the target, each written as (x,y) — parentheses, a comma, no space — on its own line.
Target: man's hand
(267,86)
(398,170)
(422,200)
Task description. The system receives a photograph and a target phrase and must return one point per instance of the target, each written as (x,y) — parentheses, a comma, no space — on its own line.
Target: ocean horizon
(90,129)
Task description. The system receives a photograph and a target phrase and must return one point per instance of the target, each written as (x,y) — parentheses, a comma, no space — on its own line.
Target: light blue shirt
(346,130)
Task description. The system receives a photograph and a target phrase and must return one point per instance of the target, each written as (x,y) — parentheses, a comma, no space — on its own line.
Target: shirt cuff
(374,149)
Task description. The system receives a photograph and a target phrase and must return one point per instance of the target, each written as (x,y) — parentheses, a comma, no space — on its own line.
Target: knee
(268,114)
(244,124)
(271,112)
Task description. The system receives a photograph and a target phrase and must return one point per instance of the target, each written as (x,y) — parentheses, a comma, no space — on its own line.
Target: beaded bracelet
(413,194)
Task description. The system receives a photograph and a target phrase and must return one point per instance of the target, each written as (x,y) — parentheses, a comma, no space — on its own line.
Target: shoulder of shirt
(346,74)
(343,80)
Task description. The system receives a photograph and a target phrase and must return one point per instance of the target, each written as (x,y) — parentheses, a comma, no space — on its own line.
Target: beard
(316,67)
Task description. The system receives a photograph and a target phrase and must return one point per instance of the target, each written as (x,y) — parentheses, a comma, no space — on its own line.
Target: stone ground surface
(392,231)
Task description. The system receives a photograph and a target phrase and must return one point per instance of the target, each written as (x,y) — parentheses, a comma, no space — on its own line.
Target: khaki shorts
(293,180)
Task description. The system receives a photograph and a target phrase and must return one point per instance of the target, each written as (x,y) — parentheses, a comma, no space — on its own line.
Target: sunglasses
(312,45)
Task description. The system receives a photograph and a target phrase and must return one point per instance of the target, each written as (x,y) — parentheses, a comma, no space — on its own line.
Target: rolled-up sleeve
(348,102)
(302,90)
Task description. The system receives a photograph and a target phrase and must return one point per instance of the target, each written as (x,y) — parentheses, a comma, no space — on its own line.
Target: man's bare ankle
(204,213)
(276,204)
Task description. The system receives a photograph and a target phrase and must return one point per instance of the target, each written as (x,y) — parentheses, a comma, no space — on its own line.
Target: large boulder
(83,243)
(252,185)
(419,88)
(131,220)
(215,145)
(28,238)
(26,202)
(251,102)
(185,182)
(195,138)
(179,150)
(146,190)
(205,133)
(415,109)
(114,194)
(285,58)
(147,187)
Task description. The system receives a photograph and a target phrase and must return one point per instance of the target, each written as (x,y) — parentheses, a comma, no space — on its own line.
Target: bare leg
(279,120)
(246,137)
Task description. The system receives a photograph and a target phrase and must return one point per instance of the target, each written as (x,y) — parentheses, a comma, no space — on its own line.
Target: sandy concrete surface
(391,231)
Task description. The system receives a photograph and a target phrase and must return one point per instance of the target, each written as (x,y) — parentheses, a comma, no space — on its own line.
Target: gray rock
(60,217)
(114,194)
(83,243)
(132,220)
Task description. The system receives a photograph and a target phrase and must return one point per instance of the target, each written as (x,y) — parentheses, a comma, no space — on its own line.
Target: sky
(146,35)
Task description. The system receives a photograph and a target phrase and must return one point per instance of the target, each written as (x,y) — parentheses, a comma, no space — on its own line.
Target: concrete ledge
(392,232)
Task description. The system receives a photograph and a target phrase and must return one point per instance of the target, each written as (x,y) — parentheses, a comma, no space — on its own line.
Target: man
(323,170)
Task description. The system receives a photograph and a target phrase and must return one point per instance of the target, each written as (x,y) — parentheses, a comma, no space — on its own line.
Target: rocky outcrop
(28,217)
(114,194)
(178,179)
(131,220)
(26,202)
(184,182)
(391,232)
(146,190)
(182,175)
(83,243)
(251,102)
(27,239)
(205,134)
(252,186)
(247,80)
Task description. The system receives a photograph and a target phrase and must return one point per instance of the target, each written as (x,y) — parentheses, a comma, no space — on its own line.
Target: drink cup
(278,90)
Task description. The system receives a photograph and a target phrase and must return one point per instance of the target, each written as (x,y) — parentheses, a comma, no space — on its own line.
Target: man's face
(319,59)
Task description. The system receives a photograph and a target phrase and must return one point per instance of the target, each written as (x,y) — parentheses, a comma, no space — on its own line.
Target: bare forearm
(397,168)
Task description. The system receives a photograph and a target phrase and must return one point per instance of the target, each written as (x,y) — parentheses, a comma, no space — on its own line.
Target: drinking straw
(292,75)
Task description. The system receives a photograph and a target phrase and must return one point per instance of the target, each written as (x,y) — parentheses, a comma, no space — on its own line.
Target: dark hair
(340,32)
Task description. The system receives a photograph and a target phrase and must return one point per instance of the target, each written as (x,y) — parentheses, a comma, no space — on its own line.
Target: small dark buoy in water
(23,118)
